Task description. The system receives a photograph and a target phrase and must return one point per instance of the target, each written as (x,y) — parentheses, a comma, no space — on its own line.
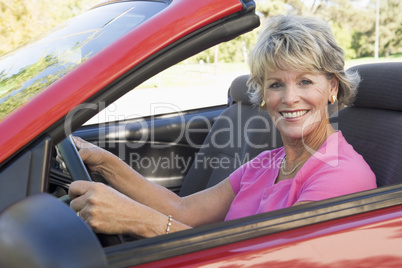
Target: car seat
(373,125)
(239,134)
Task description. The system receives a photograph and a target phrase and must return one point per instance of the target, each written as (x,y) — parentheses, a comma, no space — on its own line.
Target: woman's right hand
(95,158)
(114,170)
(92,155)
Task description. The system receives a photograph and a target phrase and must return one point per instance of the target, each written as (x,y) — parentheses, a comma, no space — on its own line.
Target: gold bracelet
(169,224)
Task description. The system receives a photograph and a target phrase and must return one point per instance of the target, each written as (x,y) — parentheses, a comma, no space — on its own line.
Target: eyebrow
(297,77)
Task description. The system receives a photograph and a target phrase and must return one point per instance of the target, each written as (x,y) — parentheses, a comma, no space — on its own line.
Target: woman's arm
(111,212)
(146,204)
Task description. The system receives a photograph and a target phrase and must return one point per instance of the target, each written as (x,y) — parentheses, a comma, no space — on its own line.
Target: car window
(191,84)
(28,70)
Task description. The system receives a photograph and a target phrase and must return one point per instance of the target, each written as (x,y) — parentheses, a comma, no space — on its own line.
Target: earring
(333,99)
(262,103)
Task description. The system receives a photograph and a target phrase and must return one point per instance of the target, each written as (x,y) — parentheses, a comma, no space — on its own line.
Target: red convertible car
(51,86)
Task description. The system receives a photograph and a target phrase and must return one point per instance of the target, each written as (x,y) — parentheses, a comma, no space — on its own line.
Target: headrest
(380,87)
(238,89)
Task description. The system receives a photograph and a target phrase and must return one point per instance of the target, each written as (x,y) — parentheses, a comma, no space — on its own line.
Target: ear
(334,87)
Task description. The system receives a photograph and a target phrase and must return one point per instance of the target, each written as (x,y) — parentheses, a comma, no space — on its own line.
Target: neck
(301,149)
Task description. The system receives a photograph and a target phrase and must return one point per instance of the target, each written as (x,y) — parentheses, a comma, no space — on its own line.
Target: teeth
(294,114)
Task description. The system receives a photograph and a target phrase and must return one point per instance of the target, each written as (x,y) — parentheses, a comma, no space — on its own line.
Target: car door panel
(161,148)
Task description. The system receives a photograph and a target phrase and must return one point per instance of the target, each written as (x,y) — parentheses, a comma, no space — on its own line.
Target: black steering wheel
(72,159)
(78,171)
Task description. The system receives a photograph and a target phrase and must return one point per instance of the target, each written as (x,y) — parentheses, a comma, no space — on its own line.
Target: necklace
(286,173)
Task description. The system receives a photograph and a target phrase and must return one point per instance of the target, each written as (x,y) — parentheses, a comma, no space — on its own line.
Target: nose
(290,96)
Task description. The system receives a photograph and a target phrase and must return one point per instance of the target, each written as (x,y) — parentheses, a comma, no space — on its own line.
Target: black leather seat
(374,124)
(239,134)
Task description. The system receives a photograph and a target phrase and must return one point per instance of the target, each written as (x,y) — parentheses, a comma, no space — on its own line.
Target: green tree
(237,50)
(390,26)
(22,20)
(352,22)
(348,19)
(390,30)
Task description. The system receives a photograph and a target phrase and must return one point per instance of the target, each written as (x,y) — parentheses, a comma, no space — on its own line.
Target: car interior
(244,143)
(372,125)
(239,132)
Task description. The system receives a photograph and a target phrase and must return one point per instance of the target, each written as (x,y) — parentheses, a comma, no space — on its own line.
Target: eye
(275,85)
(305,82)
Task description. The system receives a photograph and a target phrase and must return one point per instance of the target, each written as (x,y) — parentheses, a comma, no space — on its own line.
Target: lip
(293,114)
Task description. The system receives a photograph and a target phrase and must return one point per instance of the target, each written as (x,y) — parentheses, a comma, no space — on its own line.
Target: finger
(82,147)
(80,143)
(77,141)
(78,188)
(85,154)
(78,204)
(81,215)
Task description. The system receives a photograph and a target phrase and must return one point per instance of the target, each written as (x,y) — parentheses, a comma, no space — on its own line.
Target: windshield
(35,66)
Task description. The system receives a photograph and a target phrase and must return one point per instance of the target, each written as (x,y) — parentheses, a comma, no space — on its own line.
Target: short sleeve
(331,182)
(236,177)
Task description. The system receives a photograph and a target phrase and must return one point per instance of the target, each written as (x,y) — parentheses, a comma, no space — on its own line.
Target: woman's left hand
(106,210)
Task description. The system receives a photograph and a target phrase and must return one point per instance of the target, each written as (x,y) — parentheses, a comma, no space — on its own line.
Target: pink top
(335,169)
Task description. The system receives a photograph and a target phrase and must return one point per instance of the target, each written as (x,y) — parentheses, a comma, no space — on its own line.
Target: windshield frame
(38,64)
(94,77)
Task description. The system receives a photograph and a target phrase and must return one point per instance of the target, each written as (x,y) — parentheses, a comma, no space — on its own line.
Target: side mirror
(41,231)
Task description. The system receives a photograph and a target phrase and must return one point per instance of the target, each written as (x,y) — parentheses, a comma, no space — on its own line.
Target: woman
(297,70)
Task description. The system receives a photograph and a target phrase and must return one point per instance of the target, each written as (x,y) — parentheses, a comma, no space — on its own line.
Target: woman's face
(297,102)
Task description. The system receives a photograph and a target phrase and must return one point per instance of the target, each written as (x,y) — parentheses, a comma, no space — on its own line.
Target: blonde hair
(299,43)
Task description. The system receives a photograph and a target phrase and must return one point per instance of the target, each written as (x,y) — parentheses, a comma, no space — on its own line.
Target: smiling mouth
(294,114)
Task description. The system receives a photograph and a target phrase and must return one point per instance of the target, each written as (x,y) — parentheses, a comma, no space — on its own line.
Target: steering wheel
(78,171)
(72,159)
